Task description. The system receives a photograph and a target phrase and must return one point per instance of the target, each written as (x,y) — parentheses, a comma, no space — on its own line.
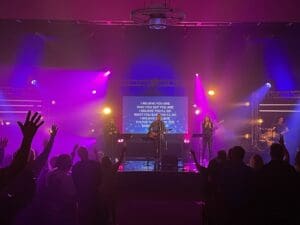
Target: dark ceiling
(119,10)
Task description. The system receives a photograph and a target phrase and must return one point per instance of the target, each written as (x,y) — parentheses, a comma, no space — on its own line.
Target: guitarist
(279,128)
(157,130)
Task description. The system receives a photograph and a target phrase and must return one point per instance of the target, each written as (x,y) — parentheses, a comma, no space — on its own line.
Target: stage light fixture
(268,84)
(194,105)
(107,73)
(211,92)
(260,121)
(34,82)
(120,140)
(93,130)
(53,102)
(197,74)
(247,136)
(197,111)
(7,123)
(247,104)
(186,141)
(107,111)
(94,92)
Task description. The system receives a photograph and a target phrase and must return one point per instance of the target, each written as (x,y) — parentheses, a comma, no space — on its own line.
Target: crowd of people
(35,190)
(258,193)
(57,191)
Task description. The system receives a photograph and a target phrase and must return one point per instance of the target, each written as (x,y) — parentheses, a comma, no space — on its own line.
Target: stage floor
(148,166)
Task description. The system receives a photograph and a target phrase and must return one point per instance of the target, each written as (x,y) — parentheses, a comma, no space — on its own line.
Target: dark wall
(230,59)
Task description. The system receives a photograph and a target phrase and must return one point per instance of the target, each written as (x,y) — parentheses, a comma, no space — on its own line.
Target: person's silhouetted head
(236,154)
(222,155)
(83,153)
(158,117)
(207,119)
(229,155)
(256,162)
(280,120)
(64,162)
(106,162)
(276,151)
(53,162)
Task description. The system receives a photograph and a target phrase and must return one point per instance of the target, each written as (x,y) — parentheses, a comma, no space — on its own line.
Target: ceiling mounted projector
(157,17)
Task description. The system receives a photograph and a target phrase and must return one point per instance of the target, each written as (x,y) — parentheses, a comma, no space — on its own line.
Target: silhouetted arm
(73,153)
(121,159)
(198,166)
(29,129)
(41,160)
(3,144)
(286,152)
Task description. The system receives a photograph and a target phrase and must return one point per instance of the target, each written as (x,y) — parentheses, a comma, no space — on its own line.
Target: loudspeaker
(169,163)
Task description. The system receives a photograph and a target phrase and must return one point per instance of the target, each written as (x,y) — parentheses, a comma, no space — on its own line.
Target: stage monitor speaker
(169,163)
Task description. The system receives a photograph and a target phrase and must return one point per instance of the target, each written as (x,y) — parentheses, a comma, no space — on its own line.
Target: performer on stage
(207,131)
(279,128)
(157,130)
(110,133)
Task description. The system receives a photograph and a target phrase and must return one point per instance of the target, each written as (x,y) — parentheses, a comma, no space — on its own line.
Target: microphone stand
(159,146)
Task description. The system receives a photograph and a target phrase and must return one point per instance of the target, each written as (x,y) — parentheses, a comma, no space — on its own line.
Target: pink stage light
(94,92)
(197,74)
(121,168)
(186,168)
(107,73)
(186,141)
(120,140)
(197,112)
(53,102)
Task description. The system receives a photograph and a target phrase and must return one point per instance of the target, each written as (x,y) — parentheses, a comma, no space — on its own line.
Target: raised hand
(73,153)
(31,125)
(3,142)
(41,160)
(76,147)
(53,131)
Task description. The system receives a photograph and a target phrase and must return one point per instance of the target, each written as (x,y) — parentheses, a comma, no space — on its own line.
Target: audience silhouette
(33,191)
(87,178)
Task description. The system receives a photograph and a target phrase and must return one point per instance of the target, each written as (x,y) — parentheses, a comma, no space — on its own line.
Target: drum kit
(267,136)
